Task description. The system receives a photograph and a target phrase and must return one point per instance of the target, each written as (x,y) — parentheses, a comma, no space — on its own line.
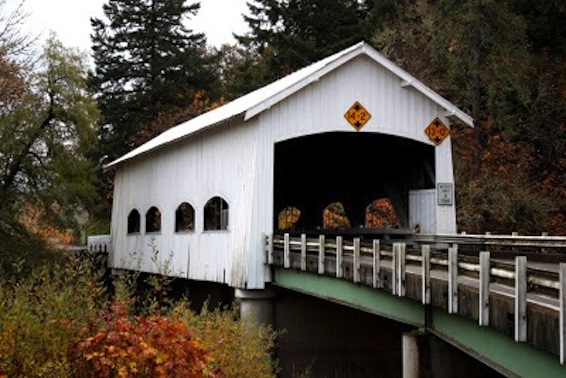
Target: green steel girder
(484,343)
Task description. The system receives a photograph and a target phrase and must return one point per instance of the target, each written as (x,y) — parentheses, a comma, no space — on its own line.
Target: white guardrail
(363,258)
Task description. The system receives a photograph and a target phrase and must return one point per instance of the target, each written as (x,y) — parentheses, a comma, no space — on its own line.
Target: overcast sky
(70,19)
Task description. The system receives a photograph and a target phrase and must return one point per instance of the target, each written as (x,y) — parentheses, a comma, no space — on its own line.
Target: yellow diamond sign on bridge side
(357,116)
(437,131)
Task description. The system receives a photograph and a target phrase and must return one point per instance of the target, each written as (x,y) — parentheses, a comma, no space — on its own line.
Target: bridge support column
(257,307)
(416,354)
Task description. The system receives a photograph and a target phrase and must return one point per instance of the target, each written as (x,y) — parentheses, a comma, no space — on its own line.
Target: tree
(287,35)
(46,131)
(491,59)
(148,63)
(12,40)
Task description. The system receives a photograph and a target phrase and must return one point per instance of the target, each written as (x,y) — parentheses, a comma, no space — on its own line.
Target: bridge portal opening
(339,177)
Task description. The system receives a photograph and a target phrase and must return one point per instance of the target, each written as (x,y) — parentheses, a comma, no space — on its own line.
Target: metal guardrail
(334,254)
(513,240)
(99,243)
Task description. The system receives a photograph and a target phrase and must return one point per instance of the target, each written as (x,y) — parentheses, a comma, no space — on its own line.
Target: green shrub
(57,321)
(237,350)
(39,319)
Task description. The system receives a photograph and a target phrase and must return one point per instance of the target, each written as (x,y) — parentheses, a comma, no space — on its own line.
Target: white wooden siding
(320,107)
(236,161)
(422,210)
(218,163)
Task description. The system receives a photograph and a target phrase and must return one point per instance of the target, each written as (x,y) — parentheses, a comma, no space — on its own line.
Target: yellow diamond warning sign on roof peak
(437,131)
(357,116)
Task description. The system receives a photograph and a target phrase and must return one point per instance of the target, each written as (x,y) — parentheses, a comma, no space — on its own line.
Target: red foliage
(334,216)
(142,347)
(381,214)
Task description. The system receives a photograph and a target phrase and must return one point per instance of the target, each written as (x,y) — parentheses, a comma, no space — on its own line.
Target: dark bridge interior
(352,168)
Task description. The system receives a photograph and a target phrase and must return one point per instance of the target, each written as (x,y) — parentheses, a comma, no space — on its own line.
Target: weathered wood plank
(303,252)
(453,280)
(426,289)
(339,256)
(484,289)
(521,298)
(376,264)
(321,241)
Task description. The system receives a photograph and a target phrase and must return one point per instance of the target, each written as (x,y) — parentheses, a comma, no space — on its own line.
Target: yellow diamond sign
(357,116)
(437,131)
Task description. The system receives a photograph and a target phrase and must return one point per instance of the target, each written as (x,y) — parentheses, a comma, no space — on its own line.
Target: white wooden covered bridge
(351,128)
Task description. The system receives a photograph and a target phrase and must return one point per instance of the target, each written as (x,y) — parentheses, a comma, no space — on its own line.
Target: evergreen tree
(287,35)
(148,63)
(489,58)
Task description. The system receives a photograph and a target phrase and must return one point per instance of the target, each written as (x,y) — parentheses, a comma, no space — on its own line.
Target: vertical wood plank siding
(236,161)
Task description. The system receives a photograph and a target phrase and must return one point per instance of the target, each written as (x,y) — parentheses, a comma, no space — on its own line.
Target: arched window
(288,218)
(184,217)
(133,222)
(216,214)
(153,220)
(334,216)
(381,214)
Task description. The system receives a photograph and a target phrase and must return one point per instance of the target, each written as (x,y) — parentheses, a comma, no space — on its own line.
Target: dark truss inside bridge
(351,168)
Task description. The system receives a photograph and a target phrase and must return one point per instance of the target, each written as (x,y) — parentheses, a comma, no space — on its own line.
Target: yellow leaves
(334,216)
(288,218)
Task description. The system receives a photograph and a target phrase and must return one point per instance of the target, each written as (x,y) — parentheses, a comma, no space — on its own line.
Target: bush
(129,346)
(59,321)
(238,351)
(39,318)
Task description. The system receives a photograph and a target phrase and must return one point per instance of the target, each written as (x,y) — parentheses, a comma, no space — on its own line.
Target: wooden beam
(425,254)
(453,280)
(286,251)
(321,241)
(484,289)
(521,298)
(339,255)
(562,319)
(303,252)
(376,264)
(356,261)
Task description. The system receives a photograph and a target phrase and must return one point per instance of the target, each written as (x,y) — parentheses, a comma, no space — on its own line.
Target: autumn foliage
(60,321)
(288,218)
(34,219)
(381,214)
(129,346)
(334,216)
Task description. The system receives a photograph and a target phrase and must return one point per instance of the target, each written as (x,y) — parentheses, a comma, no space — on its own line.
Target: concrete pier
(257,307)
(415,354)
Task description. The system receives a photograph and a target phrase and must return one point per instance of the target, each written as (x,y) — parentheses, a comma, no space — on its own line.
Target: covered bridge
(350,128)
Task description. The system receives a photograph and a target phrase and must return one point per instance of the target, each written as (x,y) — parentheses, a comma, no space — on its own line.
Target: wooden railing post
(339,255)
(269,249)
(286,251)
(521,298)
(321,241)
(376,264)
(562,319)
(303,252)
(453,280)
(398,269)
(425,254)
(394,272)
(484,289)
(356,261)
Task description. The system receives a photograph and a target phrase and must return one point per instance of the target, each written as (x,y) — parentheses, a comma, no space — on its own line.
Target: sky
(70,19)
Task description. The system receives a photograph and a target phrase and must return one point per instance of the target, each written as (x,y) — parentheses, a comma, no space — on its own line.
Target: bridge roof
(253,103)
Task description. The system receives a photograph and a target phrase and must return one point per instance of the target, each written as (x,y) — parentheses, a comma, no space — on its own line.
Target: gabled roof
(255,102)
